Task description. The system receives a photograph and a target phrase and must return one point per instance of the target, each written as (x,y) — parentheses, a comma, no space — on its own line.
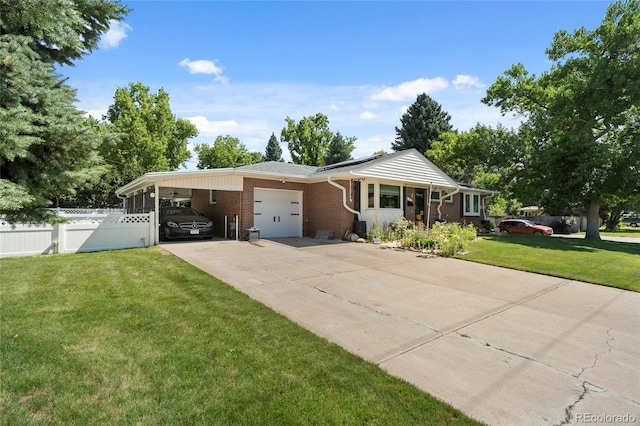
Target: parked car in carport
(184,222)
(631,221)
(523,226)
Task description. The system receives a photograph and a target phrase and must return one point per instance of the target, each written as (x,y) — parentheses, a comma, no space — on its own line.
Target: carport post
(156,216)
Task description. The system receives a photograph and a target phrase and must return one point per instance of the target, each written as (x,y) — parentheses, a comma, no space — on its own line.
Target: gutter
(344,196)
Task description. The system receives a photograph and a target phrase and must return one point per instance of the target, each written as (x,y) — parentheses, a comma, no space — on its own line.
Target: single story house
(292,200)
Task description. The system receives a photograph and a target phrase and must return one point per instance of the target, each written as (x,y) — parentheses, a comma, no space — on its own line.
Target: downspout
(442,200)
(484,213)
(344,197)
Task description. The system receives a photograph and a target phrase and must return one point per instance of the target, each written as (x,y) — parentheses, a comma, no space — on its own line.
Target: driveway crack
(569,410)
(376,311)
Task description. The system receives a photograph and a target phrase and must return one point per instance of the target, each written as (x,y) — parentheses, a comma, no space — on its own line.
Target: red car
(522,226)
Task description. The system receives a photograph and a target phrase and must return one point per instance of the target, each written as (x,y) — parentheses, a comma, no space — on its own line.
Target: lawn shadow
(567,244)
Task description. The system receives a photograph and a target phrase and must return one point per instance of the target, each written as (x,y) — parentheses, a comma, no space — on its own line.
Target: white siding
(219,182)
(411,168)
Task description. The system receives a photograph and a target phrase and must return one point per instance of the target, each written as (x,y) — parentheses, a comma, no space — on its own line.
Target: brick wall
(227,204)
(321,202)
(324,211)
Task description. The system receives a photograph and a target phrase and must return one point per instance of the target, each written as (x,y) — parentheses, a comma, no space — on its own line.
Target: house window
(371,201)
(471,204)
(389,197)
(213,195)
(435,196)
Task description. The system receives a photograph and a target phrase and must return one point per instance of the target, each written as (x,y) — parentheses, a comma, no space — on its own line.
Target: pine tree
(273,152)
(340,149)
(422,124)
(47,148)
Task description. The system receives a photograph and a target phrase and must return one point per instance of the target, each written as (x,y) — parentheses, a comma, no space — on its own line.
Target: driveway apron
(505,347)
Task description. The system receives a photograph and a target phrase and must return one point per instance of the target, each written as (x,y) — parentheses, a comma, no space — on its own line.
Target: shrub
(448,239)
(452,238)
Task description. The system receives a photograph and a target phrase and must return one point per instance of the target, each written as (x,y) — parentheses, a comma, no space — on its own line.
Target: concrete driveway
(505,347)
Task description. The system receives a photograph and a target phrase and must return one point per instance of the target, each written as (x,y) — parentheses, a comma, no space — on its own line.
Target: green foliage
(484,157)
(311,142)
(48,150)
(226,151)
(340,149)
(150,137)
(422,124)
(445,239)
(59,31)
(582,116)
(273,151)
(308,139)
(452,238)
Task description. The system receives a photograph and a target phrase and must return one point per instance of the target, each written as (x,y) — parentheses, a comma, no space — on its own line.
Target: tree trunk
(593,233)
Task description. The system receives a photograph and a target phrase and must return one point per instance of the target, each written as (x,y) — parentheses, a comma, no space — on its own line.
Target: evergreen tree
(273,152)
(340,149)
(422,124)
(47,148)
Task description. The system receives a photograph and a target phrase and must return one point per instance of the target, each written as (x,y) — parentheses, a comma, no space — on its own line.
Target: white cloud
(116,33)
(213,128)
(368,115)
(410,89)
(96,113)
(202,66)
(463,81)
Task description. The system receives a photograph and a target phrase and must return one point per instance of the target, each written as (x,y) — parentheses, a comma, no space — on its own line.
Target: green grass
(141,337)
(625,231)
(615,264)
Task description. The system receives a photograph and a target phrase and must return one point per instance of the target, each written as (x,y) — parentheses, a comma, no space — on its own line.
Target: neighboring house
(291,200)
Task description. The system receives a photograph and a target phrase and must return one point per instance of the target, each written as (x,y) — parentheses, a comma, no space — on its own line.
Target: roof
(279,168)
(405,167)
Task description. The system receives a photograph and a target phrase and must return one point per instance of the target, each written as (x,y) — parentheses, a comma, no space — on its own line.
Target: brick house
(291,200)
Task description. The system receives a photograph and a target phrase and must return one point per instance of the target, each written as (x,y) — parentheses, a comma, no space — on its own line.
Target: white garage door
(277,213)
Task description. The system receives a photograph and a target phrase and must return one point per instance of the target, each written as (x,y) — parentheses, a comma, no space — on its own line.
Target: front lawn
(614,264)
(625,231)
(141,337)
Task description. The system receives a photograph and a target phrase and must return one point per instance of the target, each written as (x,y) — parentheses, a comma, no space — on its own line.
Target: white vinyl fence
(85,230)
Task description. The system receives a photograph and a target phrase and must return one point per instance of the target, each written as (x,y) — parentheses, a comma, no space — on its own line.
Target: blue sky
(240,68)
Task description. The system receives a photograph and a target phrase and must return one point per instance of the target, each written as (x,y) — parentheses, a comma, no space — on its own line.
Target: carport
(216,194)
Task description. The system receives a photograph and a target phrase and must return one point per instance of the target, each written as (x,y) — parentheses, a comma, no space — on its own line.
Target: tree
(48,150)
(226,151)
(273,152)
(483,157)
(151,138)
(422,124)
(340,149)
(308,139)
(582,114)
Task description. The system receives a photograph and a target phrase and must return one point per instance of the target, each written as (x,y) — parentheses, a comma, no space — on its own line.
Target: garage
(277,212)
